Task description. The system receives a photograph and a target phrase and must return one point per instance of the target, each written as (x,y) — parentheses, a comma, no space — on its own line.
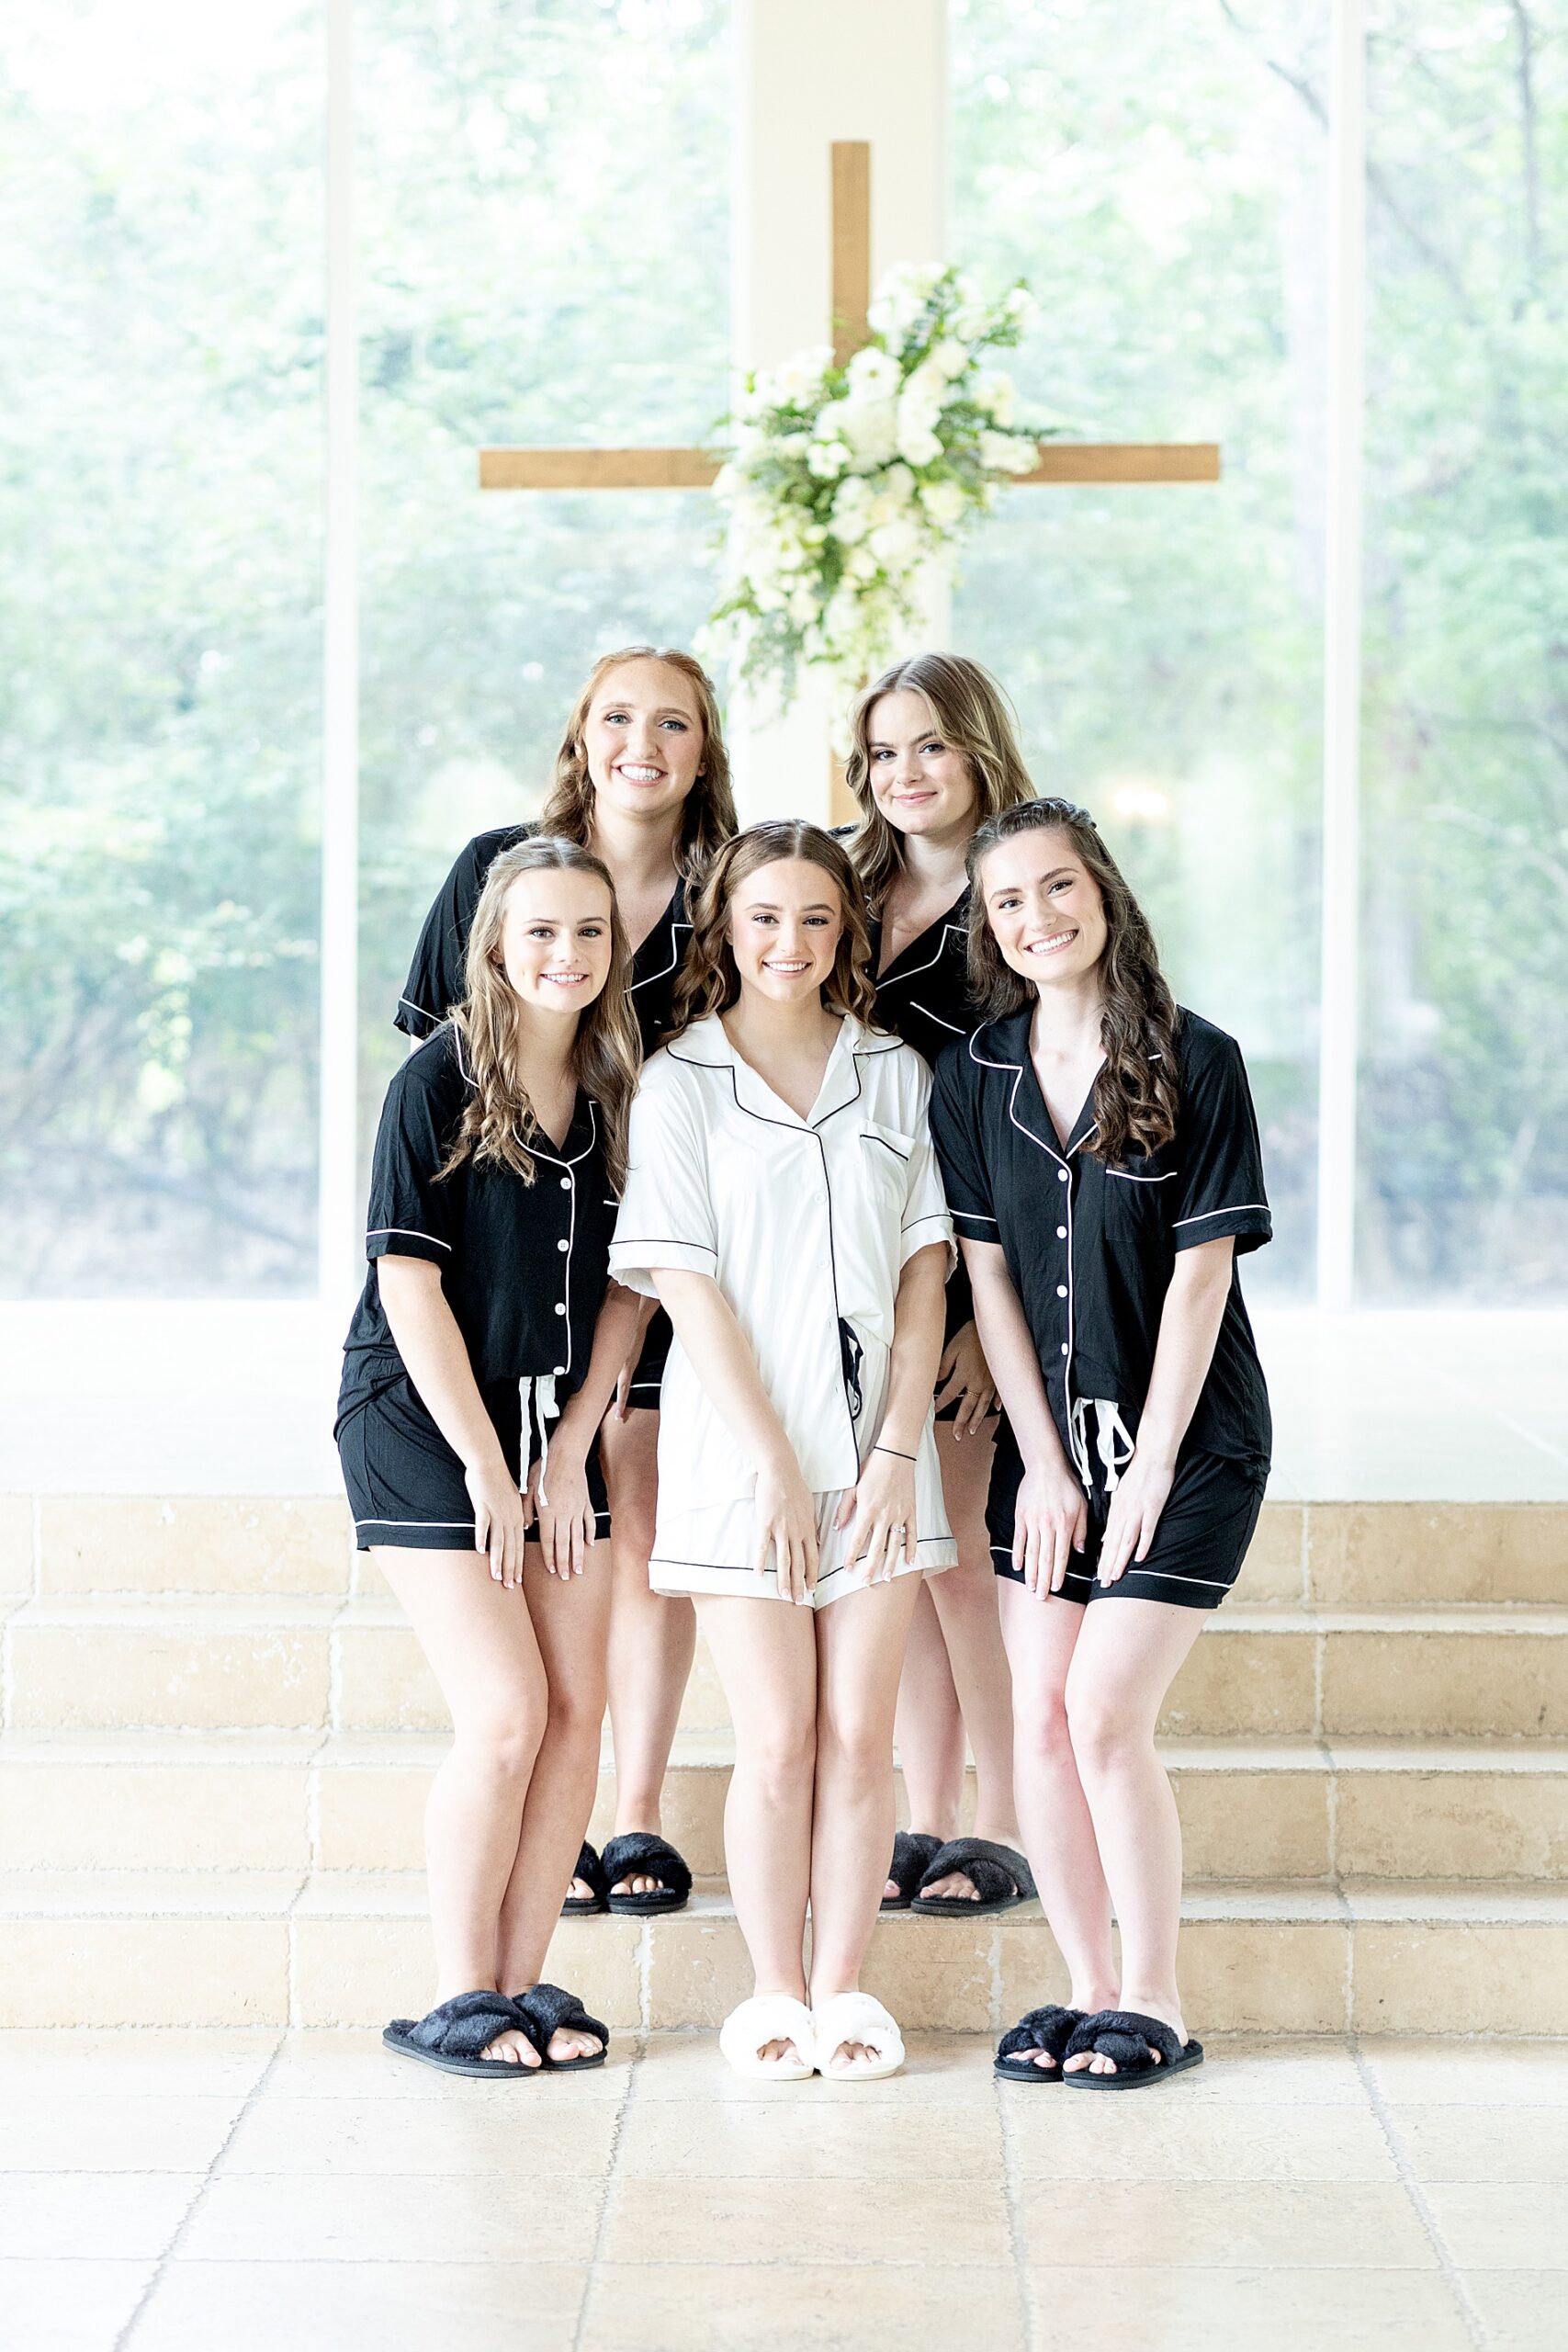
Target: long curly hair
(971,717)
(1136,1093)
(499,1120)
(708,820)
(709,981)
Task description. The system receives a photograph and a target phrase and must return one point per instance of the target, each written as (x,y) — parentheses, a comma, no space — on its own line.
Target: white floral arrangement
(843,486)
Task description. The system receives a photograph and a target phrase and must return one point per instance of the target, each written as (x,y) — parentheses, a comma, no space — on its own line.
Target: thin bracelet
(895,1452)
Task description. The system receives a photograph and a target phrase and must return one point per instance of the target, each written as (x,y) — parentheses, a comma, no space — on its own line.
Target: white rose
(873,374)
(896,546)
(996,394)
(799,380)
(945,502)
(1007,453)
(871,428)
(827,459)
(949,359)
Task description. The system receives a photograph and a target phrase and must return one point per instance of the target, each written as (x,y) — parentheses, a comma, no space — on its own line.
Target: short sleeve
(954,1120)
(436,979)
(666,1220)
(412,1213)
(1219,1186)
(925,1218)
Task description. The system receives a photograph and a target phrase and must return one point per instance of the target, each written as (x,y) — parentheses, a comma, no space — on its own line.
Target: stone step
(352,1948)
(346,1801)
(229,1662)
(1323,1554)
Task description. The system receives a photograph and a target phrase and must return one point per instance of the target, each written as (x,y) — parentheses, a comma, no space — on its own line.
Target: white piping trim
(673,964)
(892,979)
(1125,1176)
(1239,1210)
(375,1232)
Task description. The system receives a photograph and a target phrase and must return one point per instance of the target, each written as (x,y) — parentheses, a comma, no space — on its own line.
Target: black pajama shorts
(1200,1541)
(405,1484)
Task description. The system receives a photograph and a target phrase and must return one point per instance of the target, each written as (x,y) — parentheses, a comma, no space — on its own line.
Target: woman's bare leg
(928,1728)
(1127,1656)
(765,1652)
(965,1601)
(859,1652)
(652,1637)
(480,1643)
(1058,1833)
(570,1616)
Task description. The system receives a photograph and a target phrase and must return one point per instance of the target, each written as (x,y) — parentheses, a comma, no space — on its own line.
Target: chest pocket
(1140,1200)
(885,1156)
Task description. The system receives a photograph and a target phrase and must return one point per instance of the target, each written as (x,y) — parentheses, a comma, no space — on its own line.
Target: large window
(160,562)
(544,194)
(1161,188)
(1463,1112)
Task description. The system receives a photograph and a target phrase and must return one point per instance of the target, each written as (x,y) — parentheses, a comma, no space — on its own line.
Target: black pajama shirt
(1091,1250)
(524,1269)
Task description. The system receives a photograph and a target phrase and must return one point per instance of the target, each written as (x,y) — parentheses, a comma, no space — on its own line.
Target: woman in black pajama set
(1101,1161)
(642,778)
(488,1315)
(933,755)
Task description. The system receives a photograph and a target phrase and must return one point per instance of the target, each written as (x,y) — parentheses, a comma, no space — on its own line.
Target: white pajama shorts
(710,1550)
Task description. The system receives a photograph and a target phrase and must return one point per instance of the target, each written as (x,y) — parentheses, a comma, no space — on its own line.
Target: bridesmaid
(934,756)
(641,779)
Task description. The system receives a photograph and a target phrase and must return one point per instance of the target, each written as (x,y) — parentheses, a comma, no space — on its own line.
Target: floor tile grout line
(128,2332)
(1014,2217)
(1416,2193)
(579,2339)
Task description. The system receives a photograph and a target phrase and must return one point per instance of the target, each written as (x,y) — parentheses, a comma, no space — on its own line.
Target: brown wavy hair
(499,1120)
(708,820)
(709,981)
(971,717)
(1136,1093)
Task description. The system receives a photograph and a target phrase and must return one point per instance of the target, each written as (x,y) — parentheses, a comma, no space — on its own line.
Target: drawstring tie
(539,1400)
(851,1357)
(1109,1431)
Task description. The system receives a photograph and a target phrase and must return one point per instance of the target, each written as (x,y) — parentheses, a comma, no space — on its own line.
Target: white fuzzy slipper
(855,2017)
(768,2017)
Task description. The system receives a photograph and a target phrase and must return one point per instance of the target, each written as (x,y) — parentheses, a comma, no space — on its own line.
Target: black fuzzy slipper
(457,2033)
(1051,2028)
(912,1851)
(591,1871)
(642,1853)
(543,2010)
(999,1876)
(1129,2041)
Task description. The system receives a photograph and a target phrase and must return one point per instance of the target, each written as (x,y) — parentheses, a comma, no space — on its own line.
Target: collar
(706,1046)
(1004,1046)
(926,948)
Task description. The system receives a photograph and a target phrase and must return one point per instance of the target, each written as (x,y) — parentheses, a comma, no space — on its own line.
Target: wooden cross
(1059,461)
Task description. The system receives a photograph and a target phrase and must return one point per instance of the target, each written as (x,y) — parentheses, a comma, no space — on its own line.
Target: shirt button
(566,1184)
(1064,1347)
(559,1308)
(1061,1233)
(563,1245)
(1061,1175)
(1061,1290)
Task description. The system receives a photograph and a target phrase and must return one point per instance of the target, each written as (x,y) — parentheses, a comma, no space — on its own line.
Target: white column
(1342,664)
(810,72)
(338,1234)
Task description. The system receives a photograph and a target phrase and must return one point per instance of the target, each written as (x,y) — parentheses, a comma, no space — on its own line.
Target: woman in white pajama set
(783,1203)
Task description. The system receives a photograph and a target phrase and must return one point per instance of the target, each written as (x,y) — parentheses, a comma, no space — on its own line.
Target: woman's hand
(1134,1513)
(500,1515)
(964,1373)
(883,1508)
(787,1524)
(565,1510)
(1049,1521)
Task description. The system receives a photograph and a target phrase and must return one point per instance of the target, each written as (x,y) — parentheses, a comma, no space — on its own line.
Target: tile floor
(173,2191)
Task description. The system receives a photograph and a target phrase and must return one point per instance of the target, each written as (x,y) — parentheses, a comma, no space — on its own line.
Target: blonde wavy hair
(973,717)
(499,1120)
(1136,1093)
(708,820)
(709,981)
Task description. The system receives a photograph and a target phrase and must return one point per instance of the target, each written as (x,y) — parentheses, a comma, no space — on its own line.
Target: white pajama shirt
(805,1225)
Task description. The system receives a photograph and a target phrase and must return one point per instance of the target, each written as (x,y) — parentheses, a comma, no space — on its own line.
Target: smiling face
(557,940)
(918,782)
(643,738)
(786,921)
(1043,906)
